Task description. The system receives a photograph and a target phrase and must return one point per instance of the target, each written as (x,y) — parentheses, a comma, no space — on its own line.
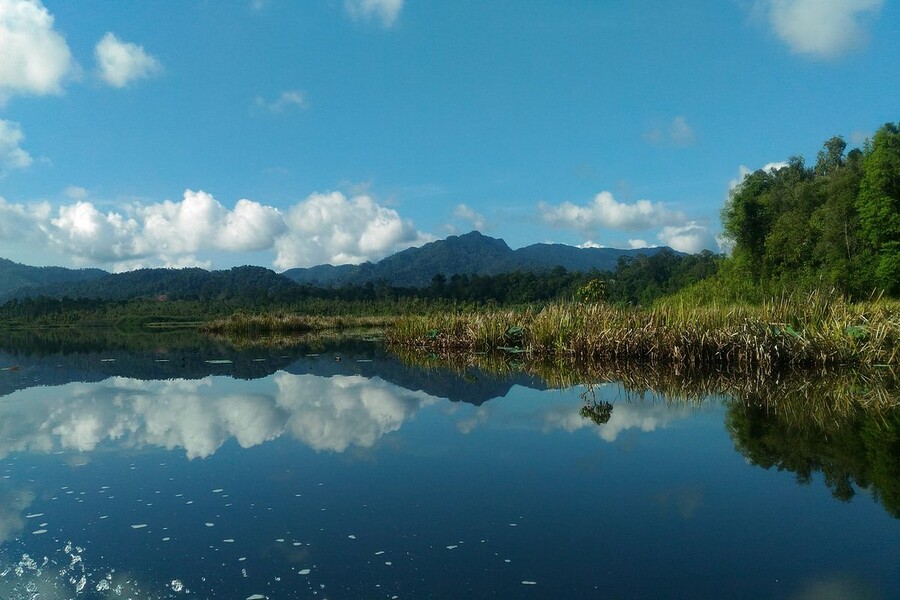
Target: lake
(336,470)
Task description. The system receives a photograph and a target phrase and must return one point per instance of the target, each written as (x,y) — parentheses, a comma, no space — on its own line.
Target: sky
(288,133)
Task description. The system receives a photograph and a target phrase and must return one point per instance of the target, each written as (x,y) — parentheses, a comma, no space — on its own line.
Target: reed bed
(253,325)
(813,331)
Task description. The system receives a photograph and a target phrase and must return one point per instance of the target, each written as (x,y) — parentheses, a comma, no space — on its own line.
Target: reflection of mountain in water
(324,359)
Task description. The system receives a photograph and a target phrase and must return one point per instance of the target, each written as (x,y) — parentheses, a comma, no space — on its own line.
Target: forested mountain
(469,254)
(835,224)
(15,276)
(249,283)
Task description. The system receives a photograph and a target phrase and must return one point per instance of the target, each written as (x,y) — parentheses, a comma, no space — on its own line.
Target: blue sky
(287,133)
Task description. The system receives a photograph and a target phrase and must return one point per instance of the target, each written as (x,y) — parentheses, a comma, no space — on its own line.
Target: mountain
(15,276)
(469,254)
(240,282)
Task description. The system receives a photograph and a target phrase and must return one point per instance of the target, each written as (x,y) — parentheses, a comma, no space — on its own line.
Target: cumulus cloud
(167,233)
(35,57)
(465,213)
(19,222)
(636,243)
(744,170)
(287,99)
(606,212)
(823,28)
(591,244)
(324,228)
(677,133)
(120,63)
(332,228)
(385,11)
(12,156)
(691,237)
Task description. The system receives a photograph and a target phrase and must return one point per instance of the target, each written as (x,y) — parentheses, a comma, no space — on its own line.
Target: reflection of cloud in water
(624,417)
(686,500)
(325,413)
(332,414)
(12,504)
(837,587)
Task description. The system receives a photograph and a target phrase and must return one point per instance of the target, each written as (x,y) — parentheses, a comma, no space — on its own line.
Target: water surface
(207,472)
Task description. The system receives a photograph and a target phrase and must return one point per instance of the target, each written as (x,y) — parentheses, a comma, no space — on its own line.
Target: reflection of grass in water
(819,394)
(310,341)
(94,339)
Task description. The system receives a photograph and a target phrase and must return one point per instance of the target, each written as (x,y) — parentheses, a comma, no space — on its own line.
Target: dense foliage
(192,295)
(835,224)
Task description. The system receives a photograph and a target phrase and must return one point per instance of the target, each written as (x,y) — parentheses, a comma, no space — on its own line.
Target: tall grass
(249,324)
(815,330)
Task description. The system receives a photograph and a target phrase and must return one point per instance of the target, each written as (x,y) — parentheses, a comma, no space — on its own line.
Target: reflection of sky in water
(199,416)
(347,487)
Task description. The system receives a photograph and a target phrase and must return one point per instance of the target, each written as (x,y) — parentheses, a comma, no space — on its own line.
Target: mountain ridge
(472,253)
(468,254)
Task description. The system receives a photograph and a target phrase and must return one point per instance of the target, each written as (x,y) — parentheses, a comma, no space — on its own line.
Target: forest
(835,224)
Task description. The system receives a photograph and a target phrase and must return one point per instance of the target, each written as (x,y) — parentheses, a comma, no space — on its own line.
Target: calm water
(208,473)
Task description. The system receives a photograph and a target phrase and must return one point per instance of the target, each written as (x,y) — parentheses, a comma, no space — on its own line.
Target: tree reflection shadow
(844,424)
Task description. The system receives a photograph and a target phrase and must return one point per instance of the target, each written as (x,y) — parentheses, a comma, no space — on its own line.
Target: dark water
(202,472)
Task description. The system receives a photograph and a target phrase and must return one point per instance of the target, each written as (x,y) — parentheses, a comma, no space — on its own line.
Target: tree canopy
(836,224)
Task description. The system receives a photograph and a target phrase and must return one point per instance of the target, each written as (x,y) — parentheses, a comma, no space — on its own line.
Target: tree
(879,205)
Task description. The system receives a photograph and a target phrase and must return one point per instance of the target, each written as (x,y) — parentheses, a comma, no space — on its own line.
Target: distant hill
(15,276)
(192,283)
(469,254)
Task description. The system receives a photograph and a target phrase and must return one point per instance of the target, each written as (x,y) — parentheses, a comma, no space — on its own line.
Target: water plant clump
(815,330)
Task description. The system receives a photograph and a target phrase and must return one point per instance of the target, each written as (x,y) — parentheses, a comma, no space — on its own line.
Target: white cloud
(19,223)
(322,228)
(824,28)
(35,57)
(691,237)
(287,99)
(120,63)
(331,228)
(12,156)
(744,170)
(606,212)
(680,133)
(465,213)
(386,11)
(636,243)
(76,192)
(591,244)
(677,133)
(167,233)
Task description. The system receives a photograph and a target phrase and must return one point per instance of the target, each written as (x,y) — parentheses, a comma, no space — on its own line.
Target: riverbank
(817,330)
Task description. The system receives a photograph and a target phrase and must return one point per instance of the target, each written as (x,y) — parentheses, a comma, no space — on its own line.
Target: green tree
(879,205)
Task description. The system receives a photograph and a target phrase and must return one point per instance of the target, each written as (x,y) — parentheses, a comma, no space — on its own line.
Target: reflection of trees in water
(859,450)
(845,425)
